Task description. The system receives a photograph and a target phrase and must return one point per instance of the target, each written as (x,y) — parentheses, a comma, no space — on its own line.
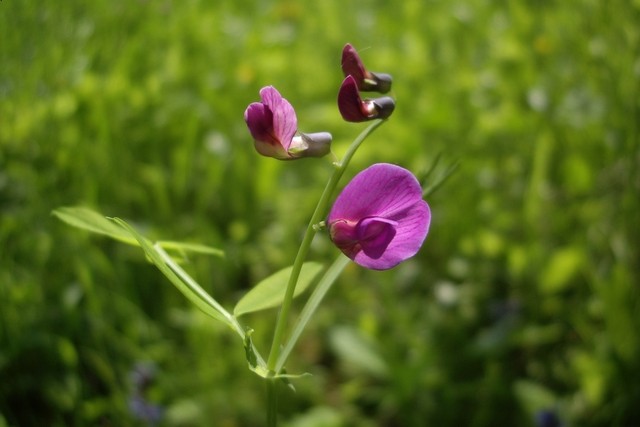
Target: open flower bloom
(354,109)
(273,125)
(366,80)
(380,219)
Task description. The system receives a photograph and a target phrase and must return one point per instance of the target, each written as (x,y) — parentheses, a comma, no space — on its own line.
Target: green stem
(195,287)
(191,283)
(318,215)
(272,403)
(311,306)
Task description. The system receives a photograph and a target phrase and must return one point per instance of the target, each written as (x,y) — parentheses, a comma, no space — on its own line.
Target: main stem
(272,404)
(318,215)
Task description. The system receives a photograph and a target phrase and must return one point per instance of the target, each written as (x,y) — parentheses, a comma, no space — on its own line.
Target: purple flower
(366,80)
(273,125)
(547,418)
(380,219)
(145,411)
(355,109)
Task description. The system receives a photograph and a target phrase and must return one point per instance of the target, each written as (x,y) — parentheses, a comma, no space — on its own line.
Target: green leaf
(89,220)
(258,366)
(270,292)
(179,278)
(190,247)
(249,350)
(286,378)
(310,307)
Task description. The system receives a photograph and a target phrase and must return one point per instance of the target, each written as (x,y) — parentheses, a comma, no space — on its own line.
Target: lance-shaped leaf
(180,278)
(270,292)
(90,220)
(194,293)
(184,247)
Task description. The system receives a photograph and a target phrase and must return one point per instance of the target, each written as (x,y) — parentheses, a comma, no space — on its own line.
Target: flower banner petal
(380,188)
(285,122)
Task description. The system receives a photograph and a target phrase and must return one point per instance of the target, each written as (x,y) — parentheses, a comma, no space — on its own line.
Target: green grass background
(523,299)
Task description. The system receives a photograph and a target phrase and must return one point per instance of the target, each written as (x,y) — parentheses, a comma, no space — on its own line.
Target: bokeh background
(522,308)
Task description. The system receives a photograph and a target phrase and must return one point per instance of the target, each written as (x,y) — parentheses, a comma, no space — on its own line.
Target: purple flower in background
(547,418)
(366,80)
(273,125)
(354,109)
(380,219)
(141,409)
(142,376)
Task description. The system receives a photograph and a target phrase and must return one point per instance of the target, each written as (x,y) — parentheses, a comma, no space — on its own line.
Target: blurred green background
(522,308)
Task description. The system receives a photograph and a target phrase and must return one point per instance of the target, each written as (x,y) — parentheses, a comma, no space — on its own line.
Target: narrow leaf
(89,220)
(189,288)
(190,247)
(270,292)
(310,307)
(257,365)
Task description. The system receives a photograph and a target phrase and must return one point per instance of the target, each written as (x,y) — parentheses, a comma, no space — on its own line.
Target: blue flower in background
(142,376)
(143,410)
(547,418)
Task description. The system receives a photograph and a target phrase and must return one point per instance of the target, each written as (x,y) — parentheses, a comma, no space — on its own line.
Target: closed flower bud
(366,81)
(354,109)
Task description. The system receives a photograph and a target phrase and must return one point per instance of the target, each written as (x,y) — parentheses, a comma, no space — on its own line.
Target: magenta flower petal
(380,219)
(260,123)
(352,65)
(350,103)
(272,123)
(375,234)
(285,122)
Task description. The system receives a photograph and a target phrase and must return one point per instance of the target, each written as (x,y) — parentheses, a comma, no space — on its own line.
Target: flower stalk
(318,215)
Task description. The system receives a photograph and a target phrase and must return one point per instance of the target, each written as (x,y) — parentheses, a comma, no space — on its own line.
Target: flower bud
(354,109)
(366,81)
